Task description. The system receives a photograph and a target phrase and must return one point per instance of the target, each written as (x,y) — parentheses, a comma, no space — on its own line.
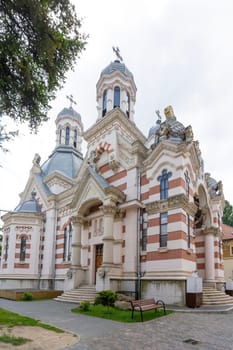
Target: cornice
(115,119)
(174,202)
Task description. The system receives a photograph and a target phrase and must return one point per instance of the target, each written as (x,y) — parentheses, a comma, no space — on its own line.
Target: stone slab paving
(179,331)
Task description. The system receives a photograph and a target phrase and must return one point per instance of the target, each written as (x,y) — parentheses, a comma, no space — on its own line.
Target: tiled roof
(227,231)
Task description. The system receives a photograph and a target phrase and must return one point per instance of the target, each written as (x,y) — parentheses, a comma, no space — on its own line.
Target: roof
(70,112)
(65,159)
(30,206)
(227,232)
(117,66)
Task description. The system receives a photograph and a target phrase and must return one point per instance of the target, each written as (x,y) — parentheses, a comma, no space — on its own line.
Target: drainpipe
(54,246)
(138,290)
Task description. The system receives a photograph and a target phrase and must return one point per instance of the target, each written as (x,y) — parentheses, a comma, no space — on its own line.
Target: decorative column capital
(212,231)
(77,219)
(120,214)
(108,209)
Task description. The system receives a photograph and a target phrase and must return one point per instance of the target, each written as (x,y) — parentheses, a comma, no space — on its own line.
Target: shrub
(27,296)
(106,298)
(85,305)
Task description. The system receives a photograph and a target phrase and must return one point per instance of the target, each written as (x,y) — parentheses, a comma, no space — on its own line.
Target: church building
(135,213)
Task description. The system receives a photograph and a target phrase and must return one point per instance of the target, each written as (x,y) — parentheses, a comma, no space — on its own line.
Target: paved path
(178,331)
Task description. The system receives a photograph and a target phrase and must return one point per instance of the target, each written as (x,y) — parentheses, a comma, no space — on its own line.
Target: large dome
(116,66)
(65,160)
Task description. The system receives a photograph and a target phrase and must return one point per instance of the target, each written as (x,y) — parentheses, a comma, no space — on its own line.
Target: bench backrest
(143,302)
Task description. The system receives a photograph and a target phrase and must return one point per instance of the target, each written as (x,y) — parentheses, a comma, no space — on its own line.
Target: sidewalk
(209,327)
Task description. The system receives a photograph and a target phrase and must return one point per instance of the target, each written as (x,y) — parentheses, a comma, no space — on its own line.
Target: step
(83,293)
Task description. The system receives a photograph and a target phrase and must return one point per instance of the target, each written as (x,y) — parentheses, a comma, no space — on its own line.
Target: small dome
(30,206)
(65,160)
(70,112)
(117,66)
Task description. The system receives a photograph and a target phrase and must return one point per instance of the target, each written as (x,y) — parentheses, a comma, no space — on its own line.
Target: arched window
(104,103)
(163,179)
(128,105)
(60,135)
(67,141)
(75,138)
(22,256)
(116,97)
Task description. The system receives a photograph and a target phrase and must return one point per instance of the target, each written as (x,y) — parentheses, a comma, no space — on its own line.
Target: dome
(64,159)
(70,112)
(117,66)
(30,206)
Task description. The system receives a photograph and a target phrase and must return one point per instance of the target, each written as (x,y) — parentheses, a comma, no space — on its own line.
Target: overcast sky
(180,53)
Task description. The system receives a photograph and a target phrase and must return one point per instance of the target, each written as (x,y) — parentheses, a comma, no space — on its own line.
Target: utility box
(194,291)
(229,288)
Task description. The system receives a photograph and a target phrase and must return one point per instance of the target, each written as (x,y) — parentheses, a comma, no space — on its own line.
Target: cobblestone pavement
(178,331)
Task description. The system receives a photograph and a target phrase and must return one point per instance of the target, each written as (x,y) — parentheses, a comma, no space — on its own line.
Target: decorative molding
(175,202)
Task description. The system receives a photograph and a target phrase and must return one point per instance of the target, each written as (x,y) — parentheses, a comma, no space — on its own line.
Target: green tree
(39,42)
(228,214)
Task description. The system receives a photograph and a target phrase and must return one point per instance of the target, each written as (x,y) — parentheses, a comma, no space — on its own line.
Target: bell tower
(116,89)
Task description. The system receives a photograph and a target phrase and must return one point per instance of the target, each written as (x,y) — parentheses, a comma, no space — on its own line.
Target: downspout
(54,247)
(40,254)
(138,290)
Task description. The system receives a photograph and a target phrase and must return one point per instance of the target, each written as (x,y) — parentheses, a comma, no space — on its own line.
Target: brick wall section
(117,176)
(171,255)
(21,266)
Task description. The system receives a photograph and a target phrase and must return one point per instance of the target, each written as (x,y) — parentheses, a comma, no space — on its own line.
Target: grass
(115,314)
(12,319)
(13,340)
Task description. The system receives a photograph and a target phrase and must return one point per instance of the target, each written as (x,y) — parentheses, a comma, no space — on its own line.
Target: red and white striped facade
(109,226)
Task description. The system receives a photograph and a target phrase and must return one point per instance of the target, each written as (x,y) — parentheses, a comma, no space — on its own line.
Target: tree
(228,214)
(39,42)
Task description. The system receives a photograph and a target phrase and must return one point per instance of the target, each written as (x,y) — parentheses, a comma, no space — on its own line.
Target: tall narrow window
(60,135)
(163,229)
(163,179)
(116,97)
(22,256)
(65,245)
(104,109)
(188,230)
(69,242)
(67,141)
(75,138)
(187,181)
(6,248)
(144,229)
(128,105)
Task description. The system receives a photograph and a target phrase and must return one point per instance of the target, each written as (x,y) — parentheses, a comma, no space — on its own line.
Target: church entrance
(98,257)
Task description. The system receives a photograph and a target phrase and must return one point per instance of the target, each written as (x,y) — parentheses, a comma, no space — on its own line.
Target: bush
(106,298)
(85,305)
(27,296)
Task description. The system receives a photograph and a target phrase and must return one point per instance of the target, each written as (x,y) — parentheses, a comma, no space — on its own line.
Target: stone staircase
(212,296)
(83,293)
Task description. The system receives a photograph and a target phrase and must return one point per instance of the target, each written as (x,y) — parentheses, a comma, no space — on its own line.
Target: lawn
(12,319)
(115,314)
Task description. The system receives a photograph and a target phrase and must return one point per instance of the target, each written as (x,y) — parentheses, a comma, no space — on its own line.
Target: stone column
(117,258)
(209,255)
(108,238)
(76,240)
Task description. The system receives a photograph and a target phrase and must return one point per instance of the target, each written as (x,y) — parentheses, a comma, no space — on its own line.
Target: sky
(180,53)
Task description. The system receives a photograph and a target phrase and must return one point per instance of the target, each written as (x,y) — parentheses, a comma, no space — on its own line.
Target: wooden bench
(147,304)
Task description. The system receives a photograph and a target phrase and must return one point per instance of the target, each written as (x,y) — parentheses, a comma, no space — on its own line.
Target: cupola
(69,128)
(116,89)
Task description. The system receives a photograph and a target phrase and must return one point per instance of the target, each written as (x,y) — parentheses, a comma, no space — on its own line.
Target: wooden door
(98,257)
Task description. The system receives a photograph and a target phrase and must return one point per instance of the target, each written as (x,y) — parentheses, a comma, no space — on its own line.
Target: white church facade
(136,213)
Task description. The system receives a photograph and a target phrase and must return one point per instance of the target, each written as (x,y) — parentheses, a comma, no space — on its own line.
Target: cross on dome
(116,50)
(70,98)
